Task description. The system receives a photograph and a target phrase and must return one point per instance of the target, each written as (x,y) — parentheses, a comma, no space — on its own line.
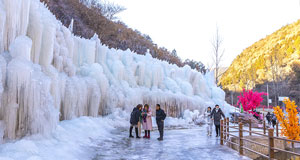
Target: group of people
(271,118)
(142,116)
(213,117)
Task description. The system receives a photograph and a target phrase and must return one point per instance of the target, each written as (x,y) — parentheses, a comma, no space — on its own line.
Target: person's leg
(148,134)
(137,132)
(140,128)
(145,134)
(162,130)
(207,129)
(216,130)
(219,130)
(158,127)
(210,129)
(130,131)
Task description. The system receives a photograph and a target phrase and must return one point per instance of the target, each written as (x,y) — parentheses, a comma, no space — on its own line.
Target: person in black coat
(134,119)
(274,120)
(160,117)
(217,115)
(269,118)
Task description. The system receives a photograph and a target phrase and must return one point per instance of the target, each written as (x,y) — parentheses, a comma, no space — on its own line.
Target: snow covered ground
(180,144)
(87,138)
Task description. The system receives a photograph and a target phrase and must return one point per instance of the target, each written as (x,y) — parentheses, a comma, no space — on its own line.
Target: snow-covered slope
(48,74)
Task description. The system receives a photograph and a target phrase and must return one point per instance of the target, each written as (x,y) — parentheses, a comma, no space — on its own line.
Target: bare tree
(107,9)
(110,10)
(218,53)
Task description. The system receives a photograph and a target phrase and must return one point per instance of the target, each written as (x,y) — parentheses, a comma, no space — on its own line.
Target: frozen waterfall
(47,74)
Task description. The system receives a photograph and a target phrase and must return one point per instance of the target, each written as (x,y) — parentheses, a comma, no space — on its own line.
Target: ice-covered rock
(48,74)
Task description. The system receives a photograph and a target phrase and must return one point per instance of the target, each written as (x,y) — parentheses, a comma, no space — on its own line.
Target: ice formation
(48,74)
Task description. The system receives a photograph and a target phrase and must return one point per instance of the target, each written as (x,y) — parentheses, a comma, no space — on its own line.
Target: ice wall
(48,74)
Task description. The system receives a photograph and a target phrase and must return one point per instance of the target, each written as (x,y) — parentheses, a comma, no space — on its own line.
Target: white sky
(189,25)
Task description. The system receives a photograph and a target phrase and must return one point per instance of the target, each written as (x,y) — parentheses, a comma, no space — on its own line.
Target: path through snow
(180,144)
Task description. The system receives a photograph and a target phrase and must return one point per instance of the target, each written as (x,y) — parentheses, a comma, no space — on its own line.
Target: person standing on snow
(274,120)
(269,117)
(217,115)
(147,120)
(208,121)
(134,119)
(160,117)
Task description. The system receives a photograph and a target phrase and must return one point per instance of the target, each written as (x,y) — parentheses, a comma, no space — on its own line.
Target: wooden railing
(226,134)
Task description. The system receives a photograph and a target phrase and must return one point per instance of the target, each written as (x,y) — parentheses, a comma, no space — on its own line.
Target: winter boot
(160,139)
(148,134)
(137,132)
(130,132)
(145,134)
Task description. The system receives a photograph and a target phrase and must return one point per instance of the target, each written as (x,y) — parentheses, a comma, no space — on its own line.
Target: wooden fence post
(250,128)
(241,138)
(271,143)
(227,127)
(221,133)
(277,133)
(264,127)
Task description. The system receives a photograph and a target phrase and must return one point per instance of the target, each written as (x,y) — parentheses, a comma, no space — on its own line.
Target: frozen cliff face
(47,74)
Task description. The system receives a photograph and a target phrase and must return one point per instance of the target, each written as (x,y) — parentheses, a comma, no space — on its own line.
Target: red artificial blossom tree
(250,100)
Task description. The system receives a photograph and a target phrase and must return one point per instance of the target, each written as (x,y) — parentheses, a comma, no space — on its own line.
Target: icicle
(48,41)
(17,14)
(71,25)
(2,24)
(28,103)
(35,30)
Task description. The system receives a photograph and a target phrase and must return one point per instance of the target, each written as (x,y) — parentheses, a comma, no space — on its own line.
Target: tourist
(208,121)
(134,119)
(160,117)
(274,120)
(147,120)
(255,114)
(217,115)
(269,117)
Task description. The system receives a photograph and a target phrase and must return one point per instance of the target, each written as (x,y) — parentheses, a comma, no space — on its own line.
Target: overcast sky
(189,25)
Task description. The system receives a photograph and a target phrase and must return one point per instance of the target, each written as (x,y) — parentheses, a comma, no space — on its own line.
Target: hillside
(114,34)
(272,59)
